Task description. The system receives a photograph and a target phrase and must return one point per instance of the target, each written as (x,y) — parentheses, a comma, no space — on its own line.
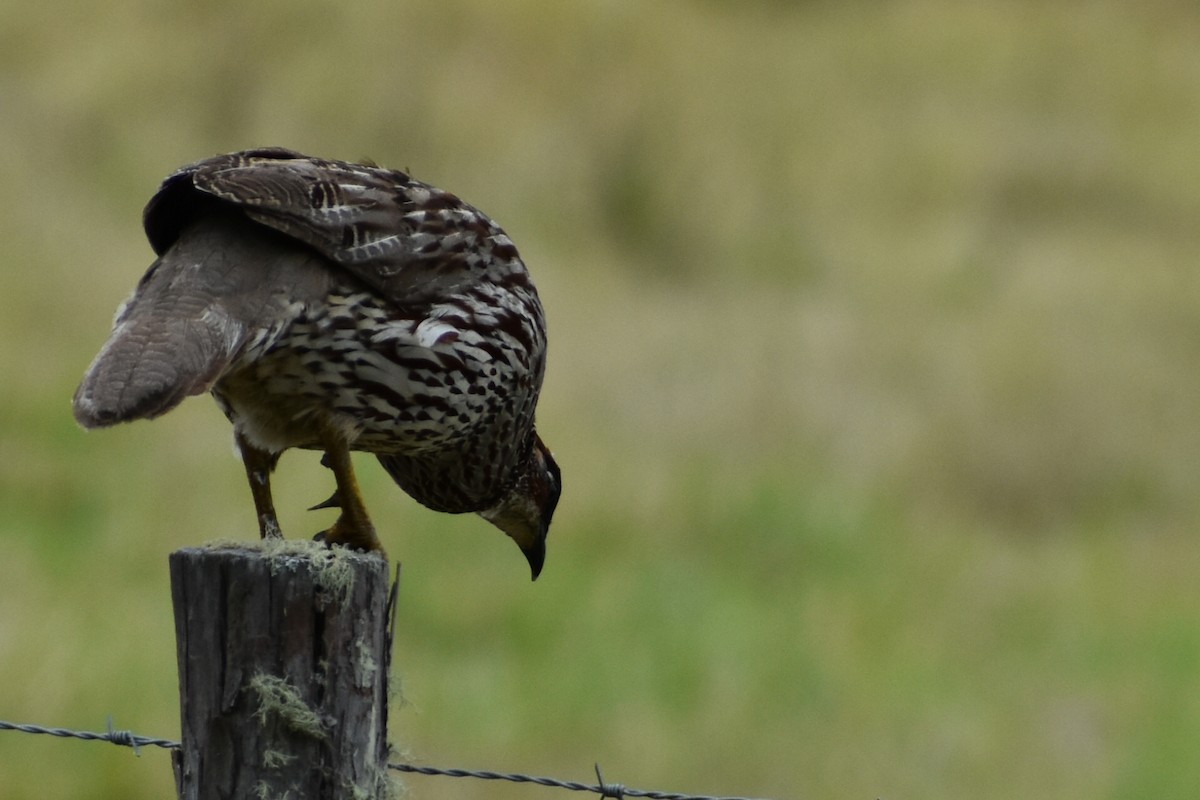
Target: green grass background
(874,380)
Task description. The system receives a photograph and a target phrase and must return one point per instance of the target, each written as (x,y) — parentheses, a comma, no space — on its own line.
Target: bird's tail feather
(173,338)
(150,363)
(192,314)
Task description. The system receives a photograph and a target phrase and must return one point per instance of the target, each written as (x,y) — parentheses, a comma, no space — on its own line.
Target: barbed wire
(123,738)
(613,790)
(602,788)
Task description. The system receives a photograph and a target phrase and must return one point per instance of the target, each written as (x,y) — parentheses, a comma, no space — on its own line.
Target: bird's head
(525,512)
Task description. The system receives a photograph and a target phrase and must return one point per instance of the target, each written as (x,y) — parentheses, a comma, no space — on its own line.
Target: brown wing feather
(406,239)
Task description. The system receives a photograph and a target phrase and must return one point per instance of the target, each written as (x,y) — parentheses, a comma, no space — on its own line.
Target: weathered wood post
(284,654)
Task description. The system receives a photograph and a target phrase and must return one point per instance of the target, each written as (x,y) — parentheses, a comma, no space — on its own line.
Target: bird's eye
(553,473)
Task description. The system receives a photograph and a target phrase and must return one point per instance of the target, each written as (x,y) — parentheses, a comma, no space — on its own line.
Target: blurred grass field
(874,341)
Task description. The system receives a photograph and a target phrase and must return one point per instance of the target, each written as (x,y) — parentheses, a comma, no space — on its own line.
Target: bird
(336,306)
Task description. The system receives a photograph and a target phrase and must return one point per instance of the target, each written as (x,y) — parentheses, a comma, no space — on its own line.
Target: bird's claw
(349,535)
(333,502)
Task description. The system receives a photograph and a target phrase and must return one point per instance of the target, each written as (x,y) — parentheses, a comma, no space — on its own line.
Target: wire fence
(601,787)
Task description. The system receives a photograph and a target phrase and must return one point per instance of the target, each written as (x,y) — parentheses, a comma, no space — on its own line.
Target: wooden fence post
(284,656)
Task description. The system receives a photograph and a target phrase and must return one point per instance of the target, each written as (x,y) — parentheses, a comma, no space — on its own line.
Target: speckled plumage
(338,306)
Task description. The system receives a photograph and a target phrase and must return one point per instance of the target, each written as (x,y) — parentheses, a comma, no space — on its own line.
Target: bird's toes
(356,537)
(333,502)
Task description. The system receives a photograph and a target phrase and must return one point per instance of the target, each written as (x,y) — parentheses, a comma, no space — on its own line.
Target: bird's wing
(405,239)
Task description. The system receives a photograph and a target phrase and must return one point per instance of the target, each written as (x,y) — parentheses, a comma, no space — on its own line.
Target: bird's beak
(535,554)
(531,538)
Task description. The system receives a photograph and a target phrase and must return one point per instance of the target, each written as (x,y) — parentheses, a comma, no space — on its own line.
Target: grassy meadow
(874,378)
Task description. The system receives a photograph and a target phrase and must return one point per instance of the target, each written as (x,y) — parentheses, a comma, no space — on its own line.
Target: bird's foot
(346,533)
(268,527)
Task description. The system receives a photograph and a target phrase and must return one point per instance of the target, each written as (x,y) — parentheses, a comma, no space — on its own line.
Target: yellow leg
(353,527)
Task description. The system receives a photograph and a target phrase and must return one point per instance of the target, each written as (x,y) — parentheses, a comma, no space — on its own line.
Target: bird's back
(360,299)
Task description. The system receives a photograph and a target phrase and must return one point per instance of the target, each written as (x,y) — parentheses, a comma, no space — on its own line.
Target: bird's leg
(353,527)
(259,464)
